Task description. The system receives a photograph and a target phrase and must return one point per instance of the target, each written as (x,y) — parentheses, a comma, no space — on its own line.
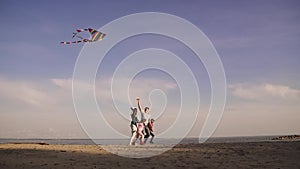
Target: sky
(257,42)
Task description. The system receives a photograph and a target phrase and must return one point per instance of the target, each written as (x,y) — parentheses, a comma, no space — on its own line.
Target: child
(150,126)
(140,128)
(139,133)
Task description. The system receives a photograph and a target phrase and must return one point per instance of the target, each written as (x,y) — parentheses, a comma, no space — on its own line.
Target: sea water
(126,141)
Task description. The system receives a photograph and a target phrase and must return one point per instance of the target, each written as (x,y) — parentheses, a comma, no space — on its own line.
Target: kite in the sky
(95,36)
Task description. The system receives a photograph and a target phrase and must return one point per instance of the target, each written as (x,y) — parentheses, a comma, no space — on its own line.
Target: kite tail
(78,31)
(74,42)
(82,30)
(74,34)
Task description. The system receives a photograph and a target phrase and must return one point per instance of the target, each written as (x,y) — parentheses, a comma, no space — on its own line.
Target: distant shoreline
(288,137)
(157,140)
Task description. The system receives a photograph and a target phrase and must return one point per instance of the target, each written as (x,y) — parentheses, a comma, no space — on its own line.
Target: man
(145,116)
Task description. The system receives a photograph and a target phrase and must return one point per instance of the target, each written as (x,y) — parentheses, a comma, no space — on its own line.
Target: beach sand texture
(272,154)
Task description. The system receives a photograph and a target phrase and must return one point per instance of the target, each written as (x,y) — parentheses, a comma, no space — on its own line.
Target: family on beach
(141,129)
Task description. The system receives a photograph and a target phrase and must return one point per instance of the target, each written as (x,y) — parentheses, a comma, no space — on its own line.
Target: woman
(133,125)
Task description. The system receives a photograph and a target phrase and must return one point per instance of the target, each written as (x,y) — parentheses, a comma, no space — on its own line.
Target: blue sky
(258,43)
(246,33)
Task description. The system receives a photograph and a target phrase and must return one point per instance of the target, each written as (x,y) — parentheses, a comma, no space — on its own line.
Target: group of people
(141,129)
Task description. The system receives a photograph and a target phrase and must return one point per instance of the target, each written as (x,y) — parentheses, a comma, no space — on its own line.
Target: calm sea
(126,141)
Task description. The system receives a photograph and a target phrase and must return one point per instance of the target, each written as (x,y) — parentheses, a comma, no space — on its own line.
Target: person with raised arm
(145,116)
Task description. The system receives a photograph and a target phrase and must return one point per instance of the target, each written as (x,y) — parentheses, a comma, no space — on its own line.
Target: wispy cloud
(49,102)
(263,91)
(26,92)
(138,87)
(260,109)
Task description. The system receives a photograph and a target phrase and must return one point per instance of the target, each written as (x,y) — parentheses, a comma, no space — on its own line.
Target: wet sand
(271,154)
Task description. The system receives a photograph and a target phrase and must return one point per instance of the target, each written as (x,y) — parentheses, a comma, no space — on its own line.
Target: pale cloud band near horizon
(27,104)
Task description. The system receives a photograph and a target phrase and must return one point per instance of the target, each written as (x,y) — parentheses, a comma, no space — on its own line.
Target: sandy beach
(272,154)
